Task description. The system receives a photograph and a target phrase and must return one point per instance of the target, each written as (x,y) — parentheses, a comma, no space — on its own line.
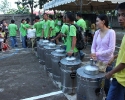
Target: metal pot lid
(45,41)
(60,50)
(92,70)
(46,47)
(82,74)
(70,58)
(51,44)
(70,61)
(62,54)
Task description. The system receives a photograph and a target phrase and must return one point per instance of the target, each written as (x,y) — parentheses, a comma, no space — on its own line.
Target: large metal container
(47,53)
(38,47)
(56,56)
(90,83)
(41,50)
(69,65)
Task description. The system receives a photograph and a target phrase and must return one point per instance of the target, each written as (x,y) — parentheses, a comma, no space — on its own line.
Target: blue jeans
(24,45)
(13,41)
(107,81)
(116,91)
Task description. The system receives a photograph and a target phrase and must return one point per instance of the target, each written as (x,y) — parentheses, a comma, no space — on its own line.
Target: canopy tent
(82,5)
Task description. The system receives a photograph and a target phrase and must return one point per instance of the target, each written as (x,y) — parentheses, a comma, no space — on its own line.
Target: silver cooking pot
(69,65)
(56,56)
(41,54)
(47,56)
(38,47)
(90,83)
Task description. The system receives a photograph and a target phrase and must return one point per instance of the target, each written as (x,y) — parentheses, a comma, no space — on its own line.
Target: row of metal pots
(85,81)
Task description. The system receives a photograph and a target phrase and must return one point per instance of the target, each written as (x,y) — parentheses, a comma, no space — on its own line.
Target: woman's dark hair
(71,16)
(105,18)
(121,6)
(79,14)
(22,20)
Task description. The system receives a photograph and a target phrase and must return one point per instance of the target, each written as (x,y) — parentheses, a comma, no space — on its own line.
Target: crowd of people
(63,29)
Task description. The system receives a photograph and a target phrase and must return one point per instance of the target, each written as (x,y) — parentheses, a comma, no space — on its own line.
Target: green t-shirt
(87,25)
(22,29)
(52,25)
(81,23)
(25,27)
(12,29)
(58,24)
(46,28)
(65,30)
(38,27)
(72,33)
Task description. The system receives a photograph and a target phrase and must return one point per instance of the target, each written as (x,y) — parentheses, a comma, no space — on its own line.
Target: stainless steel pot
(38,47)
(47,56)
(90,83)
(56,56)
(41,54)
(69,65)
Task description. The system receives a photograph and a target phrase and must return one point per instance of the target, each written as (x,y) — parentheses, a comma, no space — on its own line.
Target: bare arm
(120,67)
(73,42)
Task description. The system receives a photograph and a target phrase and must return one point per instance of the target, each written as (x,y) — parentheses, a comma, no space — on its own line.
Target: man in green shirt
(38,26)
(52,32)
(71,36)
(82,24)
(13,33)
(64,31)
(80,21)
(45,26)
(25,26)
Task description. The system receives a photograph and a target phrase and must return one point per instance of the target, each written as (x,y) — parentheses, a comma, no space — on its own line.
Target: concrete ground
(22,76)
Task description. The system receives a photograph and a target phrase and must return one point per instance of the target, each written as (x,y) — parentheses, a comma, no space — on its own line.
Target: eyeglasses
(122,14)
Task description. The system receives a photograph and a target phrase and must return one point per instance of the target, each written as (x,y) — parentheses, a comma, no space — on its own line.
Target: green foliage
(27,4)
(4,6)
(42,2)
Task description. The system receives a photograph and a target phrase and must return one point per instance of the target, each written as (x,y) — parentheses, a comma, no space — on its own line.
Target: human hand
(93,56)
(110,61)
(52,39)
(108,75)
(70,53)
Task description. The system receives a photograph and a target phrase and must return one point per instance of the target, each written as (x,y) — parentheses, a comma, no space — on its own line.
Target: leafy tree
(42,2)
(28,4)
(4,6)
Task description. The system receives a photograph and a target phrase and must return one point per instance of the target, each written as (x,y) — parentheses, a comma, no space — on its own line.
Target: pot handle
(99,91)
(59,63)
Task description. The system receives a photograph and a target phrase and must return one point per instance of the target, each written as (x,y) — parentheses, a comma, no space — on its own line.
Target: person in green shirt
(117,87)
(52,32)
(63,33)
(13,33)
(25,27)
(71,36)
(58,24)
(23,32)
(45,26)
(82,24)
(38,26)
(80,21)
